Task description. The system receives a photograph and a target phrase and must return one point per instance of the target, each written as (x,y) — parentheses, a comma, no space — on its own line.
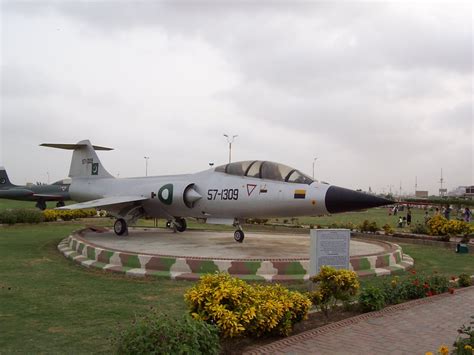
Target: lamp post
(230,140)
(314,162)
(146,165)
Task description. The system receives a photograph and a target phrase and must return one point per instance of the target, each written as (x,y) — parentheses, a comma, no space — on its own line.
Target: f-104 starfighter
(227,194)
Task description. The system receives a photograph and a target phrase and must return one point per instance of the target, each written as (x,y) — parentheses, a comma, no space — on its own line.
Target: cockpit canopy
(66,181)
(265,170)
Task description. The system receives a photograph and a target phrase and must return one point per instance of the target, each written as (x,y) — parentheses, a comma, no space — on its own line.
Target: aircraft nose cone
(339,199)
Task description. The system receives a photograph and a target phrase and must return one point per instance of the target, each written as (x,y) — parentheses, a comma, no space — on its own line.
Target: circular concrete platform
(262,256)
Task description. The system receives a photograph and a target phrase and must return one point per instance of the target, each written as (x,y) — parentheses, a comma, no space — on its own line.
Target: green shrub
(28,216)
(394,291)
(464,344)
(333,286)
(158,333)
(238,308)
(371,299)
(21,215)
(464,280)
(438,283)
(7,217)
(388,229)
(413,287)
(348,225)
(367,226)
(419,228)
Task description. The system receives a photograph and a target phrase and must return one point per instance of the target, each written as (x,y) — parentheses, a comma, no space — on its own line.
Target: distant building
(462,191)
(421,194)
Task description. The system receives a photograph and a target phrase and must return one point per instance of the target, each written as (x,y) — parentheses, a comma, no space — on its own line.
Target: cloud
(372,88)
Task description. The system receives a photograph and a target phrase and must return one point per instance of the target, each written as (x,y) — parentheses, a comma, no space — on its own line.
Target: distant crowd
(465,215)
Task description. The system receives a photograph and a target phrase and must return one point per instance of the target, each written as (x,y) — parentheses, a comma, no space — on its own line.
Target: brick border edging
(295,339)
(88,254)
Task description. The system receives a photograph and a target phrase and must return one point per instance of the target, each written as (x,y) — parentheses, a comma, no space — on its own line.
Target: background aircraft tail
(4,180)
(85,163)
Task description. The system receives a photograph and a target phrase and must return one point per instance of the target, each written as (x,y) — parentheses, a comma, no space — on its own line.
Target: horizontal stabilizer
(72,146)
(106,201)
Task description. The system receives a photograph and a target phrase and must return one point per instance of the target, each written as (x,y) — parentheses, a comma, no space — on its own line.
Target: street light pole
(146,165)
(314,161)
(230,140)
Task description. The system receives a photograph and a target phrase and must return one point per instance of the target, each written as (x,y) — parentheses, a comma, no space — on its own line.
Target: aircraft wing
(102,202)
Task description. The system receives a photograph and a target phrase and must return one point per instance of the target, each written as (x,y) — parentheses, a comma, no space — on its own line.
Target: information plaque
(329,247)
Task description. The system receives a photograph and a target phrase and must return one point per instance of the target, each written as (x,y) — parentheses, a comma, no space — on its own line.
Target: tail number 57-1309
(224,194)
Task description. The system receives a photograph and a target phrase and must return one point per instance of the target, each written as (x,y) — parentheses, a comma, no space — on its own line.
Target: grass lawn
(51,305)
(48,304)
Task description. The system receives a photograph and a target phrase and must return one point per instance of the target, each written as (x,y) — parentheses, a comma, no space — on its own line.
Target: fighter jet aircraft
(58,191)
(227,194)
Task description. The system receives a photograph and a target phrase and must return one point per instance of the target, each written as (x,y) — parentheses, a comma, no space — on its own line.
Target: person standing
(408,216)
(427,217)
(447,211)
(467,215)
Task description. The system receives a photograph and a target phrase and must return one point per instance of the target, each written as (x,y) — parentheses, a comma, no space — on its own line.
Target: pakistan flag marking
(95,169)
(165,194)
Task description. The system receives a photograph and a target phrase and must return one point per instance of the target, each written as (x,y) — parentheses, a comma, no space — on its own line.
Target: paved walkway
(411,328)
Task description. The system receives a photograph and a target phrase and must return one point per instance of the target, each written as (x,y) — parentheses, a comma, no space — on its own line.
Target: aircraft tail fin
(4,180)
(85,163)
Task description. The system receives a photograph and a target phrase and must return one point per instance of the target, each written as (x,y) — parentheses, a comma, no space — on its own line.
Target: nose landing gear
(239,234)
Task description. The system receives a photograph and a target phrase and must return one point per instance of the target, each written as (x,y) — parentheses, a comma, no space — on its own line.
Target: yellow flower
(443,350)
(429,353)
(467,347)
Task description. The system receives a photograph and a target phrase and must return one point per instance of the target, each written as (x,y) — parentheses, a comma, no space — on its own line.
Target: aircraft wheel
(239,236)
(120,226)
(181,224)
(60,204)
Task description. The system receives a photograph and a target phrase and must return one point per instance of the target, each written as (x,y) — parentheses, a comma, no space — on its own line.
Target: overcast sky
(379,92)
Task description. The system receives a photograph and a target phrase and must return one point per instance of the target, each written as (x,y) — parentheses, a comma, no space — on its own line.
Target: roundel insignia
(3,181)
(165,194)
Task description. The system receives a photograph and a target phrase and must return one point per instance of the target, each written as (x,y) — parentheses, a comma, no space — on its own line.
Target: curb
(76,248)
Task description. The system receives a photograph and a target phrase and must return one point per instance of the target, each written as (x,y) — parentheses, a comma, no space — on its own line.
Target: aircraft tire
(60,204)
(120,226)
(239,236)
(181,224)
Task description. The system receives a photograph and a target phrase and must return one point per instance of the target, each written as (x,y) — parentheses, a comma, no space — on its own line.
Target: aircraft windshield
(265,170)
(62,182)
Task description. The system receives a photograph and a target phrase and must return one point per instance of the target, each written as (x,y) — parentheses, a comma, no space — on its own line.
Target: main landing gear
(178,224)
(120,227)
(41,204)
(60,204)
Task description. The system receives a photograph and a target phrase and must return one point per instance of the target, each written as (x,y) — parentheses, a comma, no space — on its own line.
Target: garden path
(414,327)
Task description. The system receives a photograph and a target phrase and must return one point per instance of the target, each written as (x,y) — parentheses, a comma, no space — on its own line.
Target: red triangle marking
(250,188)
